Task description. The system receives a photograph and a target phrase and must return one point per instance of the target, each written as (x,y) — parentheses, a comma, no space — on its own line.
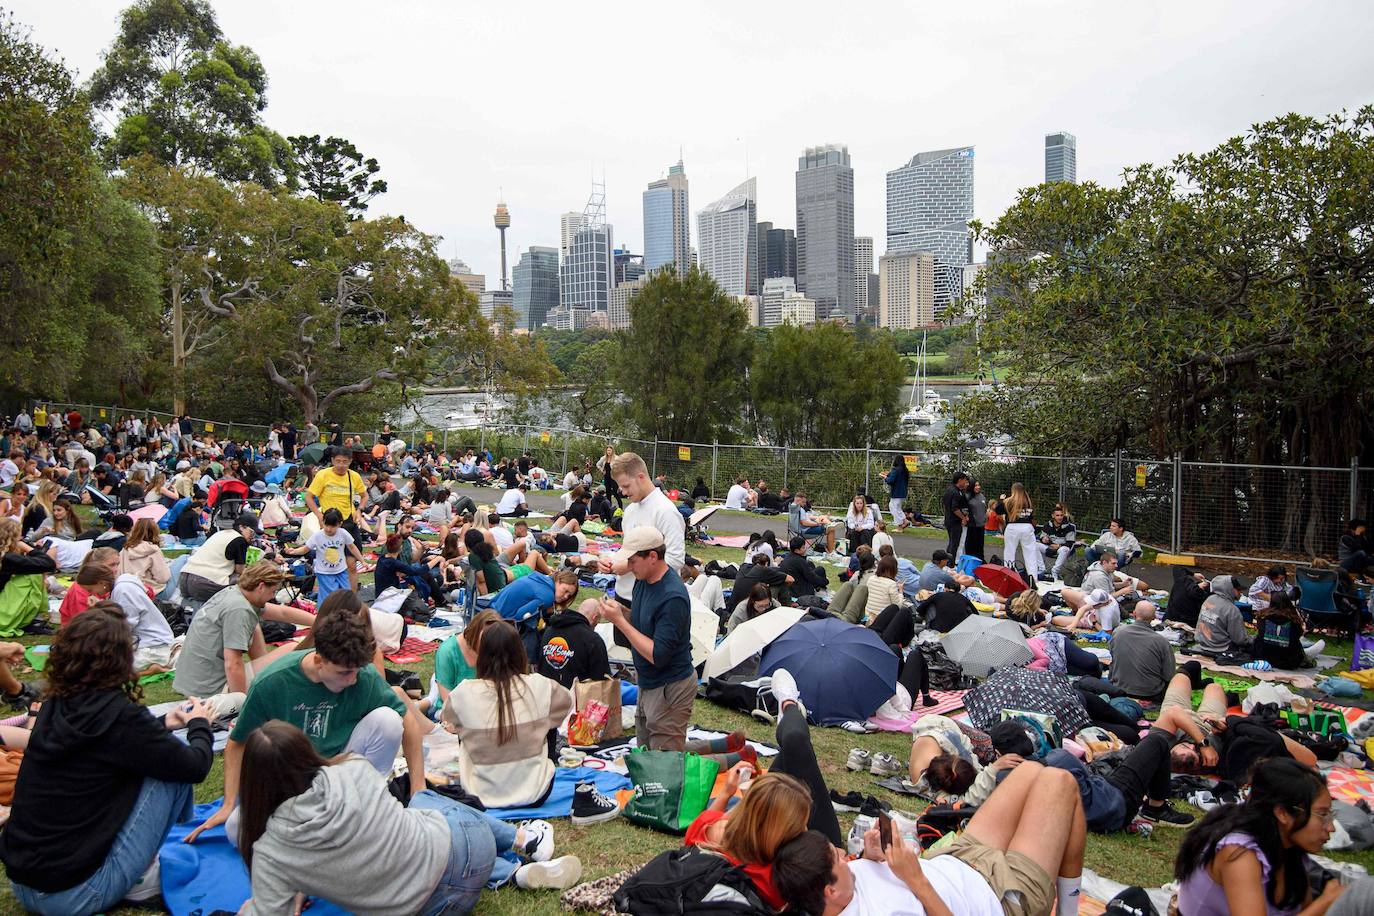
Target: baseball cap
(643,537)
(247,520)
(183,465)
(1098,597)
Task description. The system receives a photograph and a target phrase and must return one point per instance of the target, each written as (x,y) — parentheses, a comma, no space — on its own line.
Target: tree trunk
(178,352)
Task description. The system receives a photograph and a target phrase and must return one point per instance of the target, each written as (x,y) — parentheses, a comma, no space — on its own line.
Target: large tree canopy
(1218,307)
(187,97)
(332,169)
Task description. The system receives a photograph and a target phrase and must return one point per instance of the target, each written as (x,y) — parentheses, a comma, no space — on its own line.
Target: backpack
(938,820)
(690,880)
(1074,569)
(945,672)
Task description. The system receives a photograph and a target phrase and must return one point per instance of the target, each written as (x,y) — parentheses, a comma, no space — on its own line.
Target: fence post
(1116,487)
(715,453)
(868,458)
(785,452)
(482,440)
(1354,487)
(653,470)
(446,441)
(565,454)
(526,446)
(1063,478)
(1176,535)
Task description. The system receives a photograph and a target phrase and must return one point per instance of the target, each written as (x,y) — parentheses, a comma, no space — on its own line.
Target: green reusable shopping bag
(671,788)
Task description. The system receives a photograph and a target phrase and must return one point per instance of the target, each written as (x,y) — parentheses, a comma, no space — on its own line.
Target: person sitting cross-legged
(334,694)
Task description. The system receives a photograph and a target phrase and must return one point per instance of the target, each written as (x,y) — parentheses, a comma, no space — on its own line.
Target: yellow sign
(912,463)
(544,437)
(1140,475)
(429,435)
(684,453)
(323,437)
(209,427)
(102,411)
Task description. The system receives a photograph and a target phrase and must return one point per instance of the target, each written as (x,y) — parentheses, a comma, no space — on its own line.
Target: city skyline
(415,90)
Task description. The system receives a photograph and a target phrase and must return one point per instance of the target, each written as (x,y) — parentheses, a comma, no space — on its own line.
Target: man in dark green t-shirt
(335,695)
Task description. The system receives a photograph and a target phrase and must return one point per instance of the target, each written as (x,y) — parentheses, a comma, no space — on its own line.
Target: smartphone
(884,830)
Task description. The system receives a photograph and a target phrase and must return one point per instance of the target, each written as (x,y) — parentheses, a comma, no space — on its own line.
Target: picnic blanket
(1296,678)
(1349,785)
(411,651)
(949,701)
(559,802)
(729,540)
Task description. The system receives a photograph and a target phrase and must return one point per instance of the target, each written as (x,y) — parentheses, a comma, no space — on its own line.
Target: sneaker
(39,627)
(538,841)
(590,806)
(858,760)
(885,765)
(148,886)
(20,701)
(784,687)
(857,727)
(561,874)
(849,802)
(1166,815)
(1045,577)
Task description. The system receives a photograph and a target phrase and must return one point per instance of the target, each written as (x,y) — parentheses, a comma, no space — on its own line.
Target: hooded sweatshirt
(341,839)
(86,761)
(1220,628)
(1096,577)
(147,562)
(571,650)
(1185,598)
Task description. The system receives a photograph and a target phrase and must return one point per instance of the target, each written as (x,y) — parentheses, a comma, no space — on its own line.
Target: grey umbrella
(981,645)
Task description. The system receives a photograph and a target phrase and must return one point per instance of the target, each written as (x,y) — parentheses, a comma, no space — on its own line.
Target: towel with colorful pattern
(410,651)
(948,701)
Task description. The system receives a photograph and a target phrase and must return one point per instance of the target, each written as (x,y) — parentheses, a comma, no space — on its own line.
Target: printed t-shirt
(336,491)
(327,718)
(331,551)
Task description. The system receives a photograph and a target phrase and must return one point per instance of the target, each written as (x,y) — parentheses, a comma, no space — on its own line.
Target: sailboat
(931,406)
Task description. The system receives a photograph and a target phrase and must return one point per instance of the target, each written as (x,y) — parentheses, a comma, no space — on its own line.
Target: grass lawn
(610,847)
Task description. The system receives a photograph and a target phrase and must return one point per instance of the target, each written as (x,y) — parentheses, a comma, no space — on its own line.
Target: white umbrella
(750,638)
(981,645)
(704,625)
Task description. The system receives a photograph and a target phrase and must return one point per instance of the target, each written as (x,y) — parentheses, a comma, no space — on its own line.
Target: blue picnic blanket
(559,802)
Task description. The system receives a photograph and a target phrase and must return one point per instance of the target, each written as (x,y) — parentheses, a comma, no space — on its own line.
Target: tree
(684,360)
(594,402)
(332,169)
(826,385)
(76,265)
(187,97)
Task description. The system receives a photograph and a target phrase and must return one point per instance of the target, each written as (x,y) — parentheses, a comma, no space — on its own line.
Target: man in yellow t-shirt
(336,487)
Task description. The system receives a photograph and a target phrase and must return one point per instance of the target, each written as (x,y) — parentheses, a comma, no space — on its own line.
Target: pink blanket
(729,540)
(949,701)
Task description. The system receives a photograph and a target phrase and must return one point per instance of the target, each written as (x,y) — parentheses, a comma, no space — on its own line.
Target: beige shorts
(1024,888)
(1210,707)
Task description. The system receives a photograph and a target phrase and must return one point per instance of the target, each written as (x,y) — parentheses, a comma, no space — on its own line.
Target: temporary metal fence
(1225,511)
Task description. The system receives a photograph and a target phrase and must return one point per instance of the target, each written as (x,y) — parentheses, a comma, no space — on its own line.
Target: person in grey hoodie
(332,829)
(1220,627)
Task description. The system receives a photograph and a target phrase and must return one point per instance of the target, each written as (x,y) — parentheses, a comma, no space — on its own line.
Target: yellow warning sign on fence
(1140,475)
(912,464)
(209,427)
(684,453)
(102,411)
(429,435)
(544,437)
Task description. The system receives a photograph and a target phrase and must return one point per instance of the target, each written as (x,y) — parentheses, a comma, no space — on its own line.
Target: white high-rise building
(798,310)
(1061,157)
(728,238)
(906,290)
(587,274)
(568,226)
(863,266)
(770,307)
(620,302)
(929,206)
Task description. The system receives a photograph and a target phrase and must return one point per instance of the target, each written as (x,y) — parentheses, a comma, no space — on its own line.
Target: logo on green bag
(650,788)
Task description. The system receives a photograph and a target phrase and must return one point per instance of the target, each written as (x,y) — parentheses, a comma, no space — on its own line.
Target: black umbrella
(313,453)
(1027,690)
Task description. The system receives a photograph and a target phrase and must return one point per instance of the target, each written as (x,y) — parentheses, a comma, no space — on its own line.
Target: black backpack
(945,672)
(689,880)
(1074,569)
(938,820)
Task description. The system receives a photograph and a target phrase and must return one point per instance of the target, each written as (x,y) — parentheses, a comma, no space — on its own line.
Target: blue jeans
(159,806)
(479,855)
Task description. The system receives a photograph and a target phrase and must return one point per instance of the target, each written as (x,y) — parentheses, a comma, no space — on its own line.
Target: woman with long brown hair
(39,516)
(328,827)
(23,580)
(142,556)
(1019,534)
(504,717)
(102,780)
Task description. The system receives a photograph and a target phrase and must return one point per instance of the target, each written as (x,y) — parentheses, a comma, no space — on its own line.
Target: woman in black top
(701,491)
(612,488)
(977,520)
(1280,635)
(102,780)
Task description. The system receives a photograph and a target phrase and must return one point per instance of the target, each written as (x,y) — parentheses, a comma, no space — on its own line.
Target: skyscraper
(863,267)
(586,275)
(667,227)
(825,229)
(929,206)
(907,290)
(536,287)
(1061,157)
(568,224)
(777,252)
(461,272)
(727,234)
(502,222)
(628,266)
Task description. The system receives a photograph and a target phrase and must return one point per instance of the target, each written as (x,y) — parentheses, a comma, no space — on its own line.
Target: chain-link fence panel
(1147,500)
(1260,511)
(681,463)
(829,477)
(927,483)
(754,462)
(1090,493)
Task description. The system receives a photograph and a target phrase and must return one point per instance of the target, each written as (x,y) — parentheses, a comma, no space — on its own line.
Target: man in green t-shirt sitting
(335,695)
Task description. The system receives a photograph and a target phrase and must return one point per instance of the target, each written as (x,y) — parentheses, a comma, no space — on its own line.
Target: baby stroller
(230,507)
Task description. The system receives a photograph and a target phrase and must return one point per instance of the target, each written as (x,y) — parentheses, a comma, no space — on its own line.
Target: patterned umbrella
(1026,690)
(981,645)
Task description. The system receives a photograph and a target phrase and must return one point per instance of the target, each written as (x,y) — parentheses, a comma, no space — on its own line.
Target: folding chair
(1317,601)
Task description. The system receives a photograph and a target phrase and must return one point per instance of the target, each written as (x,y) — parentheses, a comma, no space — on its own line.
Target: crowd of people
(324,767)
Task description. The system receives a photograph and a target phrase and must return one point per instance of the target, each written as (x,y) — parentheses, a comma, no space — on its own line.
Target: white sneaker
(148,886)
(561,873)
(538,846)
(857,727)
(858,760)
(784,687)
(884,765)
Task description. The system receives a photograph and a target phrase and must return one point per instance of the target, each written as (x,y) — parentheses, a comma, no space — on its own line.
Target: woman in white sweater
(331,829)
(504,717)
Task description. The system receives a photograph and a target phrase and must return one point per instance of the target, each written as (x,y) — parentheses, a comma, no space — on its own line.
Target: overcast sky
(461,101)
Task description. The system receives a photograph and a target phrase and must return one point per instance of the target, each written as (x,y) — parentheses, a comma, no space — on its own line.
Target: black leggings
(915,676)
(1106,716)
(956,534)
(796,757)
(1145,773)
(895,626)
(973,542)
